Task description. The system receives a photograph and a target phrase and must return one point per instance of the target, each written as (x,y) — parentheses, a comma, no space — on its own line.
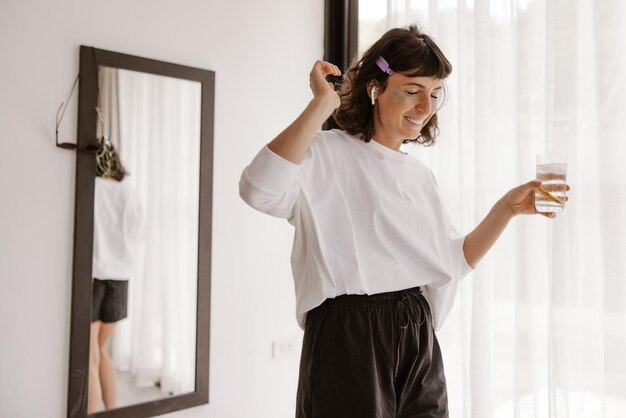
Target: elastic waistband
(386,299)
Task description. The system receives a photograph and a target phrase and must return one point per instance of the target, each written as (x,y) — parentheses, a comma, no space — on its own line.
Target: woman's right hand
(322,89)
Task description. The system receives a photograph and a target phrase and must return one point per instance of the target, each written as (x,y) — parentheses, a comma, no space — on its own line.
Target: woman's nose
(424,105)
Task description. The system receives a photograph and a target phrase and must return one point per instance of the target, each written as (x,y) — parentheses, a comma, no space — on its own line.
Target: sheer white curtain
(539,329)
(158,123)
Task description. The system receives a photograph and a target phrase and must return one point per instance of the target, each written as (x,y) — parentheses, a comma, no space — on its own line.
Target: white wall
(262,52)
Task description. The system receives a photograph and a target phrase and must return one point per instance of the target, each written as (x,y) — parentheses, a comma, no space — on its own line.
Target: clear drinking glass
(552,171)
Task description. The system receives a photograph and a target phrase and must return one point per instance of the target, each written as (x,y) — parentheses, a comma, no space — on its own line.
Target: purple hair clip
(384,65)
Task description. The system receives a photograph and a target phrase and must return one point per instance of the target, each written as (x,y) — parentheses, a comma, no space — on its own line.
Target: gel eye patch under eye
(403,96)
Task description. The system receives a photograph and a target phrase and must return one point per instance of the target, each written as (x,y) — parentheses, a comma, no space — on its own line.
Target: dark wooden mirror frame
(90,60)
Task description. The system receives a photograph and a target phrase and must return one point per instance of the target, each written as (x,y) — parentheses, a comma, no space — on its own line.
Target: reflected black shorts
(109,300)
(371,356)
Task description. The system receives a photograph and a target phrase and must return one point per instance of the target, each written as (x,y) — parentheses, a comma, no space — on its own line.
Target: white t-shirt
(367,220)
(117,231)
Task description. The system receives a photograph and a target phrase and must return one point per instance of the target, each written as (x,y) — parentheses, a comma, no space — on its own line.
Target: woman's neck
(389,143)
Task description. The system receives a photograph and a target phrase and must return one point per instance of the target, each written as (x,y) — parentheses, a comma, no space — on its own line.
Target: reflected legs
(108,375)
(95,392)
(102,374)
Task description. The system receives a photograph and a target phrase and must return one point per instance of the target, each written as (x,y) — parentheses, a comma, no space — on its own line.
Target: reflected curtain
(108,106)
(159,130)
(538,330)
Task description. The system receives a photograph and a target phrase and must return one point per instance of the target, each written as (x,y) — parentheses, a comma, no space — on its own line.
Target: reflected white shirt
(118,228)
(367,220)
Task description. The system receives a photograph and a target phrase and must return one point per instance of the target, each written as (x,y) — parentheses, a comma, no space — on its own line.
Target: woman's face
(405,106)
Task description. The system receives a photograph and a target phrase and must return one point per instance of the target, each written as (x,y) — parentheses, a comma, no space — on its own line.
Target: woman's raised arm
(294,141)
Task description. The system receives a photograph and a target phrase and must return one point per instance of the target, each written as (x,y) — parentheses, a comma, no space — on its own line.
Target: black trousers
(371,356)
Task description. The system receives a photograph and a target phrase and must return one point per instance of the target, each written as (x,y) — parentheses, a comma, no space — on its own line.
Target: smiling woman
(376,260)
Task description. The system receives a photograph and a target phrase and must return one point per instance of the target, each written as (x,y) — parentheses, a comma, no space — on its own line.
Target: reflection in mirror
(145,254)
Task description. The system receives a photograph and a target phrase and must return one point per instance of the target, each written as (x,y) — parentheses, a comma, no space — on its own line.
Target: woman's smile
(414,121)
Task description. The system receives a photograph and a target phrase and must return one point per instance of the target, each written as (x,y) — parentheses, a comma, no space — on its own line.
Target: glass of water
(552,171)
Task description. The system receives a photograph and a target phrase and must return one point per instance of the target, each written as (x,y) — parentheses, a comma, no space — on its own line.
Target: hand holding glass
(552,171)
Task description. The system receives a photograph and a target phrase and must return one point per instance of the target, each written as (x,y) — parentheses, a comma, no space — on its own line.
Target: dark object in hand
(336,80)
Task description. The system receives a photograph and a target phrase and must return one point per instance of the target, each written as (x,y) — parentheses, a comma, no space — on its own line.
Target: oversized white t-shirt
(368,219)
(118,229)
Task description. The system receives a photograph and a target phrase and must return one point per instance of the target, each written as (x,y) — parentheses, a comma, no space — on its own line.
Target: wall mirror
(158,117)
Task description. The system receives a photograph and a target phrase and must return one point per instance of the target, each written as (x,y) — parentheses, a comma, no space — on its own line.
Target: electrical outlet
(284,347)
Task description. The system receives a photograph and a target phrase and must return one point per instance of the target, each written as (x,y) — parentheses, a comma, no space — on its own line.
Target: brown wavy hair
(408,51)
(108,163)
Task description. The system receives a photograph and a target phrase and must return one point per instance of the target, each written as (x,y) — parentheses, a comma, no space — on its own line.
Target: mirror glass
(145,256)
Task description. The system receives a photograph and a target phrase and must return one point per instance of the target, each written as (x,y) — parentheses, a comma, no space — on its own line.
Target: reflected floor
(129,394)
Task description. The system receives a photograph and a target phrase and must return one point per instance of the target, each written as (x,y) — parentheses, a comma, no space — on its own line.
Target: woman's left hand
(521,199)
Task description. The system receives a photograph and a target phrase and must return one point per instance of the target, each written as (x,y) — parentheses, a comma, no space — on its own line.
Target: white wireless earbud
(373,94)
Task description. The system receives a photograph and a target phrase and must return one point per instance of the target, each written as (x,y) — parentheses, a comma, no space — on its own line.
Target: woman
(118,229)
(376,261)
